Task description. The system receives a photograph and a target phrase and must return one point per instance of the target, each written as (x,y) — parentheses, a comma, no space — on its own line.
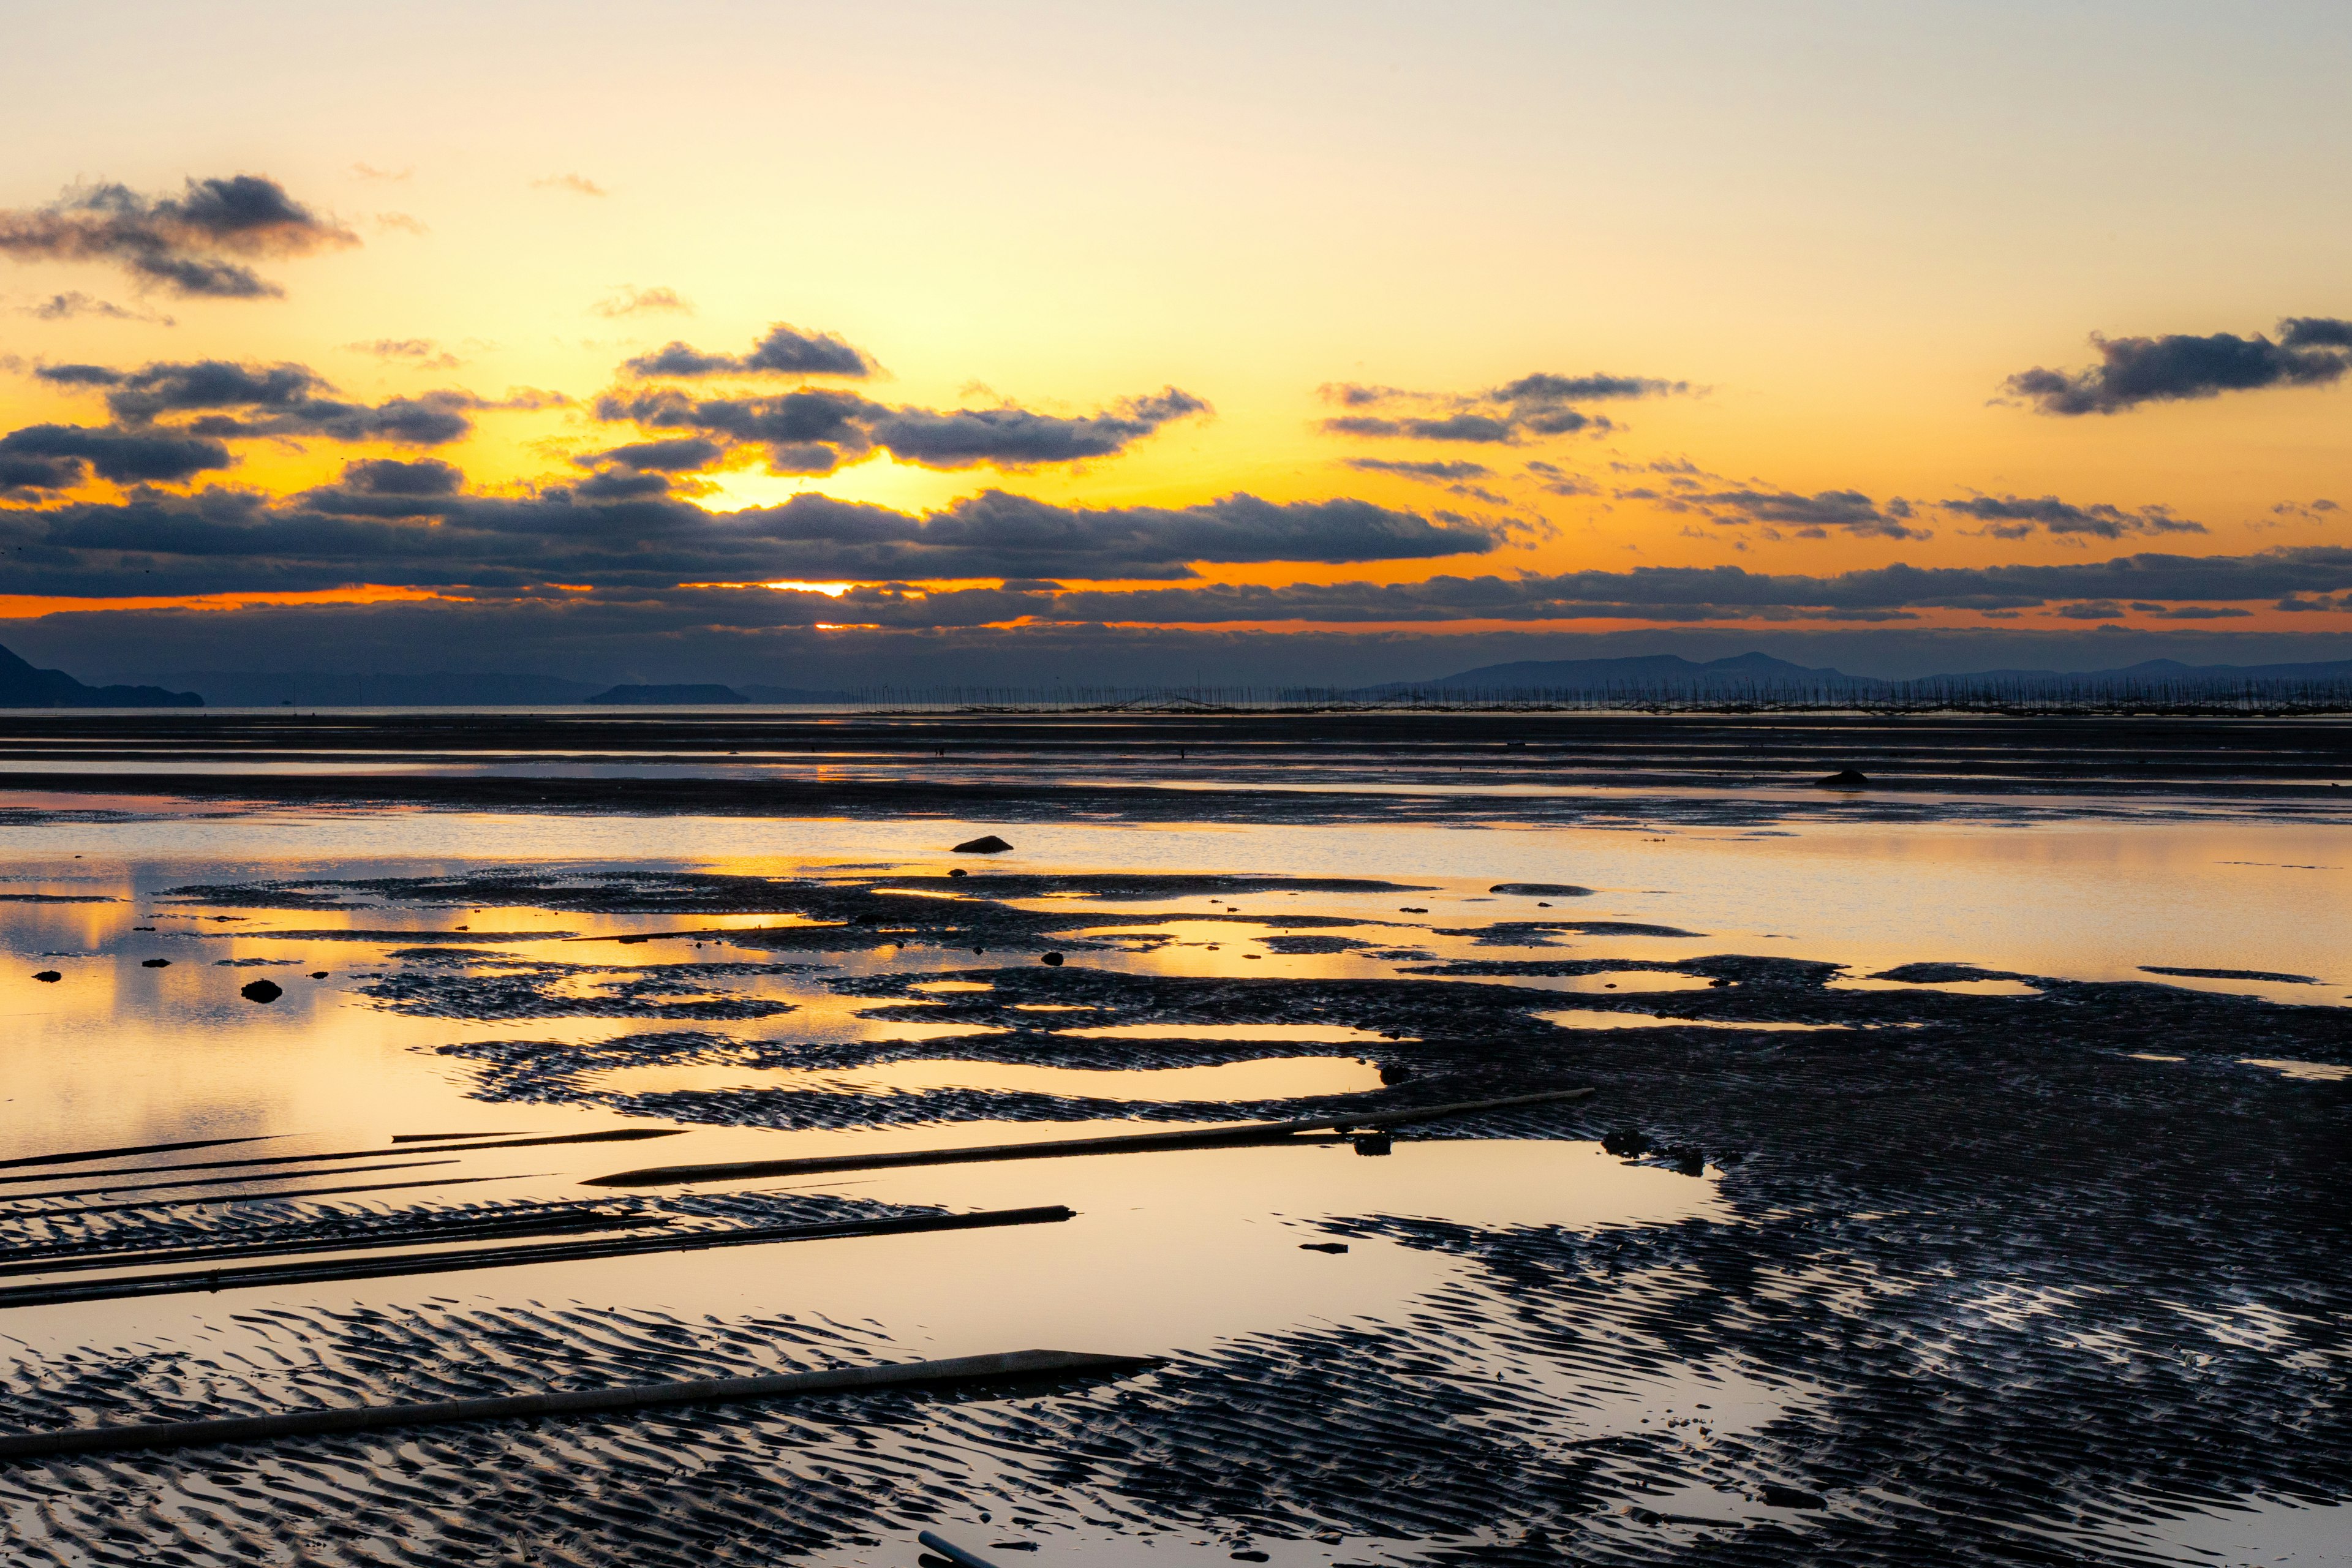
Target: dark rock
(1844,778)
(1776,1496)
(1373,1142)
(987,844)
(959,871)
(1322,1246)
(48,974)
(1249,1556)
(1052,960)
(1625,1144)
(154,964)
(1410,910)
(1394,1072)
(1689,1162)
(260,991)
(318,975)
(1542,890)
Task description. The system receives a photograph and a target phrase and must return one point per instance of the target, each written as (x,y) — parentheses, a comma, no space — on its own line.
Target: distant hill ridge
(22,686)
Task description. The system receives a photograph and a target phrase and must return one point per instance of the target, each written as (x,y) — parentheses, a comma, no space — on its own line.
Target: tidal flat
(1963,1181)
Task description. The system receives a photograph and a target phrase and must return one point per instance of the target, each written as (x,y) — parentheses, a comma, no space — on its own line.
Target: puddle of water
(2260,1532)
(2310,1072)
(1276,1077)
(1956,987)
(1600,1019)
(1625,981)
(1303,1034)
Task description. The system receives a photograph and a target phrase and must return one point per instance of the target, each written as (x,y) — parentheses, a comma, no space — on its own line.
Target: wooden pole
(566,1402)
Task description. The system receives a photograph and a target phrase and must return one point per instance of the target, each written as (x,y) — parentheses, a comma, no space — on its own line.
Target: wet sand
(1951,1193)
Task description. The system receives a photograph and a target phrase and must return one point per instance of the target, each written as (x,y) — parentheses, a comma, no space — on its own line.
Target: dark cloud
(1483,427)
(814,430)
(73,304)
(785,351)
(1435,472)
(1534,405)
(2314,332)
(622,530)
(1850,511)
(631,300)
(1545,388)
(225,400)
(59,457)
(183,242)
(2311,351)
(2013,517)
(392,476)
(683,456)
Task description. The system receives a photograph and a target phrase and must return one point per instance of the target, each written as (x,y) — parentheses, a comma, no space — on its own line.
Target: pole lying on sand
(1055,1148)
(951,1552)
(187,1282)
(567,1402)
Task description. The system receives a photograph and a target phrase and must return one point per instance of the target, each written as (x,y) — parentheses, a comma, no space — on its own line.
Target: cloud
(1433,472)
(60,456)
(1535,404)
(225,400)
(2311,351)
(578,184)
(785,351)
(182,242)
(412,523)
(679,456)
(385,175)
(401,223)
(73,303)
(815,429)
(1559,481)
(422,351)
(631,300)
(1483,427)
(1543,388)
(1851,512)
(2014,517)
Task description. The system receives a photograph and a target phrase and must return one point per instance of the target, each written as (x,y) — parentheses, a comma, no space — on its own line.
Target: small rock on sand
(987,844)
(1051,961)
(1777,1495)
(1322,1246)
(154,964)
(260,991)
(48,974)
(1542,890)
(1844,778)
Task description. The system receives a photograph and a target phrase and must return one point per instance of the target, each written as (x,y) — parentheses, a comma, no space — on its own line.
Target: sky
(942,343)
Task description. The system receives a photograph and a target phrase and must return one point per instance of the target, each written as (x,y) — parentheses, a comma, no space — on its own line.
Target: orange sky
(1826,243)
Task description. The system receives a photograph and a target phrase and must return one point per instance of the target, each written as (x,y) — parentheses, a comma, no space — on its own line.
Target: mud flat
(1962,1188)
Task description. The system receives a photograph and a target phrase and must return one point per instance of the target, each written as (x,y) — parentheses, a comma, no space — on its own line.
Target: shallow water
(1525,1342)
